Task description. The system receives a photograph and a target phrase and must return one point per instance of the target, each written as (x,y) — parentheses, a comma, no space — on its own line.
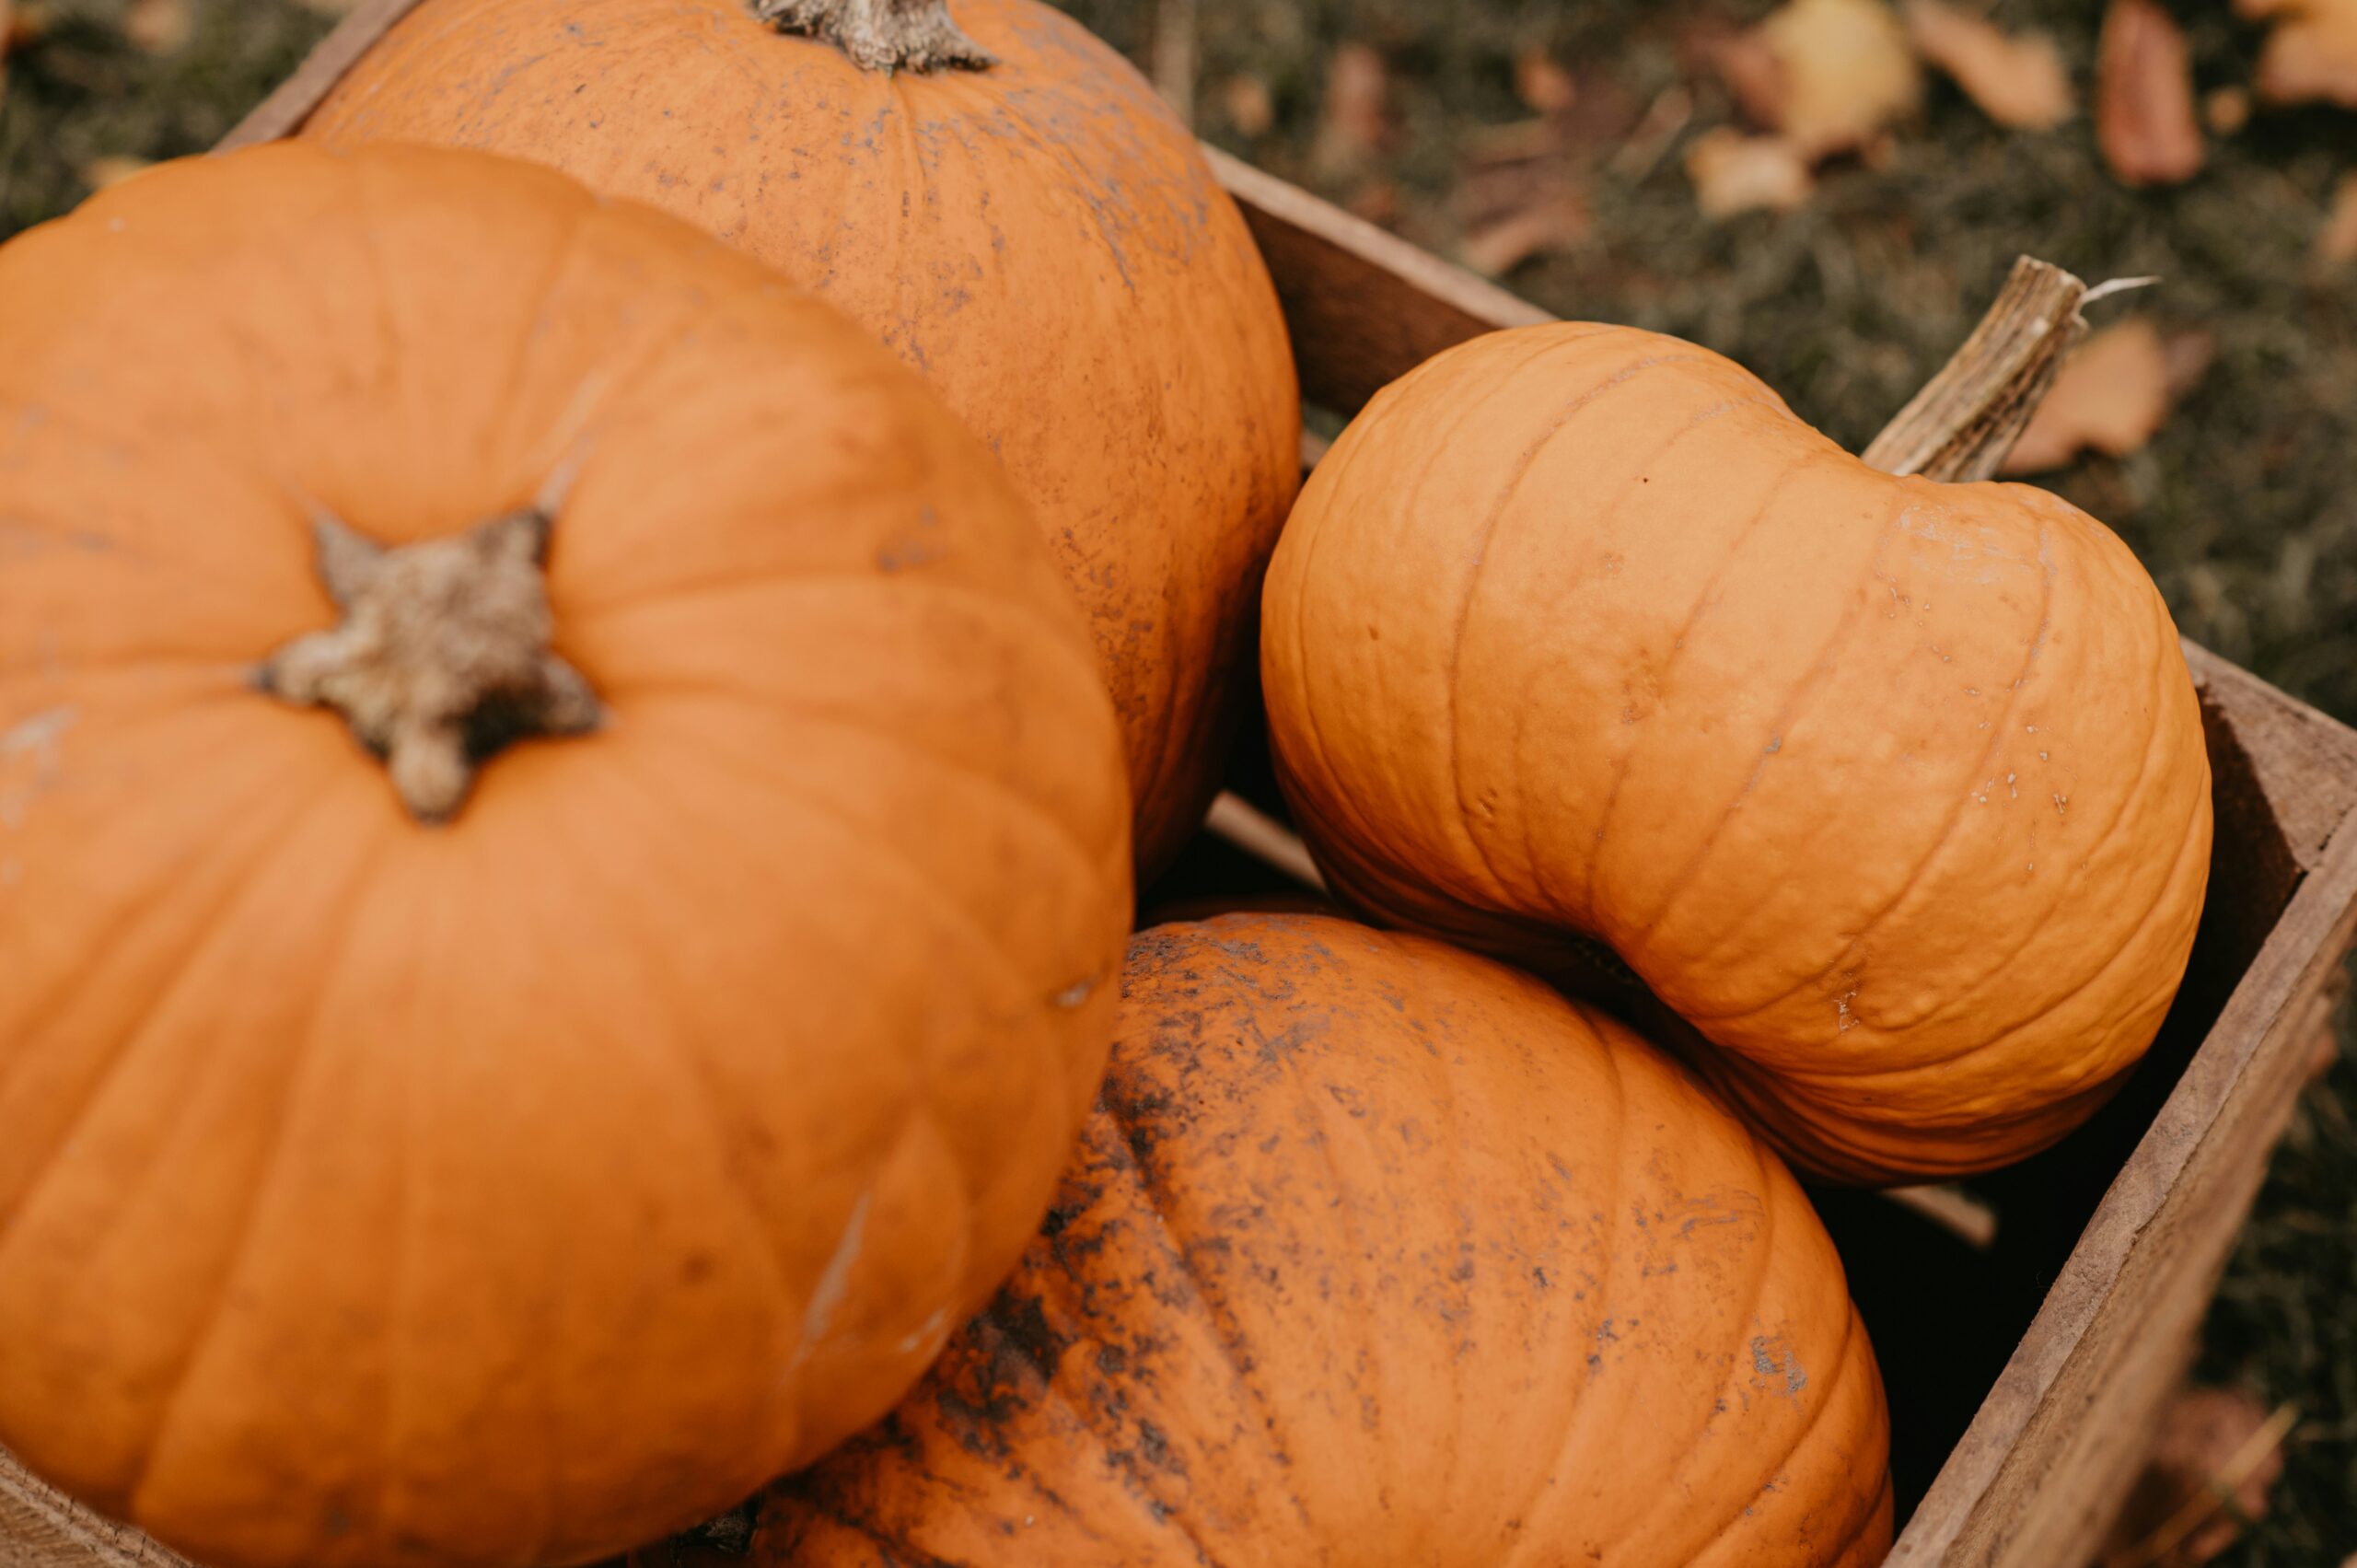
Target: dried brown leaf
(1357,126)
(2311,53)
(1554,218)
(1544,87)
(2112,395)
(1735,173)
(2016,81)
(1251,108)
(2219,1456)
(2144,96)
(1826,74)
(2336,241)
(159,27)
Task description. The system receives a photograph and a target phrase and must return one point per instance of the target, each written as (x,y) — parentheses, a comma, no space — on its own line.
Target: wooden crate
(2025,1374)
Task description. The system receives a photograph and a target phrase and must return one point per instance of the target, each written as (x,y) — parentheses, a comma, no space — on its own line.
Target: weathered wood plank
(40,1528)
(1365,307)
(2056,1444)
(283,112)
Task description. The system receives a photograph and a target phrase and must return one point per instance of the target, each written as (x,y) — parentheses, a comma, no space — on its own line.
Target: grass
(2243,507)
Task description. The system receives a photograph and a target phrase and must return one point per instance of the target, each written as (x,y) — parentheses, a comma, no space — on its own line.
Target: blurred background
(1830,192)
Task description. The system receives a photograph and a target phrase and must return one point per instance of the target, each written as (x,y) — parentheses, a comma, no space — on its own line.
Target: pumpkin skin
(519,1190)
(1042,238)
(1896,792)
(1375,1252)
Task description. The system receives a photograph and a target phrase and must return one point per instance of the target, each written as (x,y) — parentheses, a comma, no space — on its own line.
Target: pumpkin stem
(1966,418)
(442,655)
(882,35)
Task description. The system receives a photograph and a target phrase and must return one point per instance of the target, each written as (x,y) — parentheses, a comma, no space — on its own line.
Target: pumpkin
(1895,791)
(1376,1253)
(528,1154)
(1007,204)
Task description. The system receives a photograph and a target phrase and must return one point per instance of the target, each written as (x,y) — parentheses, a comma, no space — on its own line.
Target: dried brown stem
(441,652)
(882,35)
(1959,427)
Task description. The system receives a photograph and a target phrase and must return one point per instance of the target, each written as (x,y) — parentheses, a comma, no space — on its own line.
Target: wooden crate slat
(282,112)
(2058,1438)
(40,1528)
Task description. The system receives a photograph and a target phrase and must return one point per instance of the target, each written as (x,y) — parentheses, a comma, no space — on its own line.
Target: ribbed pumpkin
(1040,235)
(1377,1253)
(518,1188)
(1895,791)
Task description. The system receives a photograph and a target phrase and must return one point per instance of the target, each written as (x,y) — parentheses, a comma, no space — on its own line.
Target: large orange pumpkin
(1377,1253)
(514,1188)
(1040,235)
(1896,791)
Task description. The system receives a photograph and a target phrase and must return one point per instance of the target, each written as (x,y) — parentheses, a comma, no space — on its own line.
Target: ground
(2243,505)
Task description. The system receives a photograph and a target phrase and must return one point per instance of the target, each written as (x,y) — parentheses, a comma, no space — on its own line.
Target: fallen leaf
(1828,75)
(2144,96)
(2112,395)
(101,172)
(1735,173)
(2225,111)
(2218,1456)
(1544,87)
(2016,81)
(2311,53)
(1250,107)
(2337,240)
(1357,126)
(159,27)
(1556,218)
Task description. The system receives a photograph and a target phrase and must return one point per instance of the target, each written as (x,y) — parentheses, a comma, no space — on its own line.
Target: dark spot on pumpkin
(1023,1323)
(697,1267)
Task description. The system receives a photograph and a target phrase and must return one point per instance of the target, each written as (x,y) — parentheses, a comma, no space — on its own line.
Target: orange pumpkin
(1375,1252)
(1040,235)
(512,1189)
(1895,791)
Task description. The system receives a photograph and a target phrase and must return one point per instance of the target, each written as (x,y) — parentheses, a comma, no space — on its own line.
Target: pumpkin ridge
(560,259)
(2127,800)
(1488,538)
(704,1091)
(1842,1358)
(1643,929)
(203,932)
(1233,1352)
(1569,1411)
(905,869)
(1500,505)
(1999,730)
(1583,1403)
(2168,886)
(1965,996)
(1795,706)
(303,1061)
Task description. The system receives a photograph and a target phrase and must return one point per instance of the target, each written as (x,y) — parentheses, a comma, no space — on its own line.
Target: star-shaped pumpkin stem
(882,35)
(442,652)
